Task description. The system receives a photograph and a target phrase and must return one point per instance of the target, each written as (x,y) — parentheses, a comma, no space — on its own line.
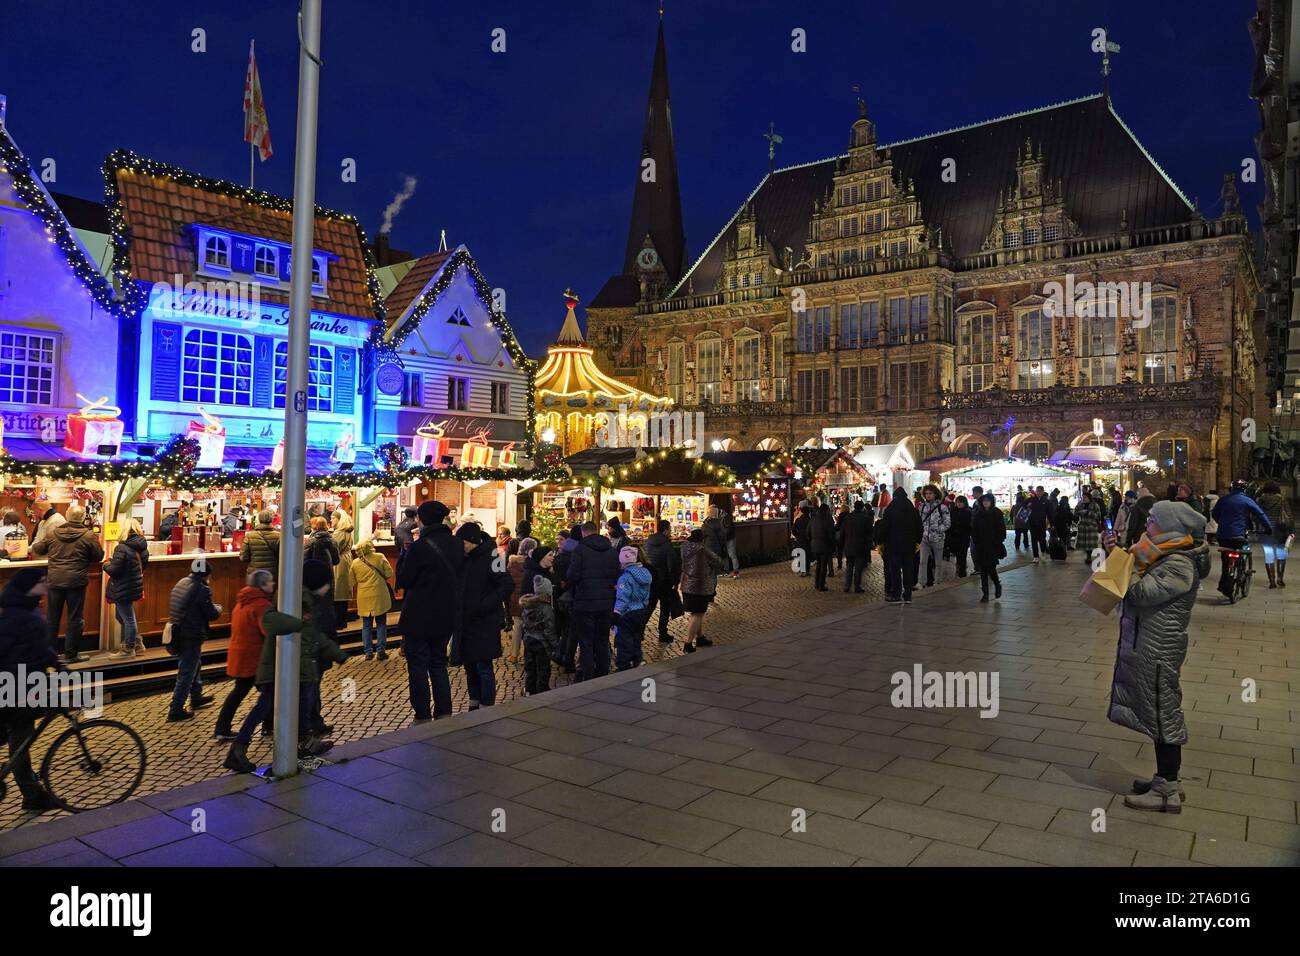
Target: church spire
(657,200)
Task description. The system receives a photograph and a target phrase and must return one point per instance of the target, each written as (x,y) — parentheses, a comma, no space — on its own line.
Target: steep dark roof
(618,291)
(1105,173)
(83,213)
(656,205)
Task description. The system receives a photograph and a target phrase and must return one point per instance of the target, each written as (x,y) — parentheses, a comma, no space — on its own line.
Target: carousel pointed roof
(570,379)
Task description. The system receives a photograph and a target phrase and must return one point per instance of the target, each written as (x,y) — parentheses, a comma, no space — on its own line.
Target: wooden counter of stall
(90,633)
(226,576)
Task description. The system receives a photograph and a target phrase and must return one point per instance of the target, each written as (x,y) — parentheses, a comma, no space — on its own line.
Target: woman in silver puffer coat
(1169,561)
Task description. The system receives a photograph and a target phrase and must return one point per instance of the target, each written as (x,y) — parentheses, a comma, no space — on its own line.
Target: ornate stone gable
(1033,211)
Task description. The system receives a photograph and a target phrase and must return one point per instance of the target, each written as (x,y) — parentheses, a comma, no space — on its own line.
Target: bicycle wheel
(1243,582)
(93,764)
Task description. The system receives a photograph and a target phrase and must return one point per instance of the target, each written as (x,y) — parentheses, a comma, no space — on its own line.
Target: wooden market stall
(1004,476)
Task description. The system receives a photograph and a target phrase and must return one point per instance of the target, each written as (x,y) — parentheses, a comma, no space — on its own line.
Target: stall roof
(744,464)
(815,459)
(885,456)
(589,459)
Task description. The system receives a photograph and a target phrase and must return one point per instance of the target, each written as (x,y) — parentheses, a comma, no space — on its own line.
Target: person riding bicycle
(1236,513)
(25,642)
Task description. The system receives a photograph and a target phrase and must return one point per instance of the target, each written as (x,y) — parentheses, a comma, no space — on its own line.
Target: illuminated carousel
(575,399)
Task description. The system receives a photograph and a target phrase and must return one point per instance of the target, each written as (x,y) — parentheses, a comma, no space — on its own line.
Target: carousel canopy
(569,380)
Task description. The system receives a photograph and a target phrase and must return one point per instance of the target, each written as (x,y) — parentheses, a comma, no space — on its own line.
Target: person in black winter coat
(593,576)
(959,534)
(666,568)
(404,533)
(899,533)
(799,531)
(320,545)
(821,541)
(482,592)
(190,611)
(125,571)
(1062,520)
(24,642)
(428,570)
(988,544)
(533,566)
(855,541)
(563,598)
(1040,513)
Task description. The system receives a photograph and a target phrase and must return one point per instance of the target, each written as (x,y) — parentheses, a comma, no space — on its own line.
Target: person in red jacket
(245,652)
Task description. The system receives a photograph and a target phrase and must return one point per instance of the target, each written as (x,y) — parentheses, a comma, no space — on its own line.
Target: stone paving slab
(783,748)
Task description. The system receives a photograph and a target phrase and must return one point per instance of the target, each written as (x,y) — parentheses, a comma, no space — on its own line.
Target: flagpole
(251,150)
(293,490)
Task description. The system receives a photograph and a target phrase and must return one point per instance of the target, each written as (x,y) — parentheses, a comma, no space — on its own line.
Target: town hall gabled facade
(915,288)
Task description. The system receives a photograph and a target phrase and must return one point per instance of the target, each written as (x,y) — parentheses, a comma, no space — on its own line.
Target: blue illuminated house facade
(56,314)
(206,267)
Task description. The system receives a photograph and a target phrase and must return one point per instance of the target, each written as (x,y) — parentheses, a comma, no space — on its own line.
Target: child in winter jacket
(541,638)
(631,609)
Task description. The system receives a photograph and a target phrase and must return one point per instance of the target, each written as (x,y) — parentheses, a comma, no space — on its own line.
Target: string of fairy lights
(395,337)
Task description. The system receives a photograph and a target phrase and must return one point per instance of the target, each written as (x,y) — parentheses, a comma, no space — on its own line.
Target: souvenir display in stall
(684,511)
(761,500)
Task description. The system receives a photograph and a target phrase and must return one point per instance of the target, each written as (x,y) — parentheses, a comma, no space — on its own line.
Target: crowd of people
(471,597)
(931,534)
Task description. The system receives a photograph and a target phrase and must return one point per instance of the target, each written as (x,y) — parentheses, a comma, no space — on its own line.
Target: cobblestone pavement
(784,749)
(178,754)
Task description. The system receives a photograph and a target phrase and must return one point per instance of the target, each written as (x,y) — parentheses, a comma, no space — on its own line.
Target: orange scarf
(1147,552)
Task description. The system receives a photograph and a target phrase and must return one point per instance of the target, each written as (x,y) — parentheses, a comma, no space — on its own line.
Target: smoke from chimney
(395,206)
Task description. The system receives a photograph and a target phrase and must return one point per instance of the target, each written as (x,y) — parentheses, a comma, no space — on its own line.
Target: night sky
(529,157)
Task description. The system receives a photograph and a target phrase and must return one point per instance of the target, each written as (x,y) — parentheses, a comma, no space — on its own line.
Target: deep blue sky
(529,157)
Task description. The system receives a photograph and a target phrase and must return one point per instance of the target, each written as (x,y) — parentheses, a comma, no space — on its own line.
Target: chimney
(381,249)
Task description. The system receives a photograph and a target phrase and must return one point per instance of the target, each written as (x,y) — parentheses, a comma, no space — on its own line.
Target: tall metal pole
(293,495)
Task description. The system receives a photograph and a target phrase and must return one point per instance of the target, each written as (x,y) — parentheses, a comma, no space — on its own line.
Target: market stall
(831,473)
(1002,478)
(893,466)
(639,486)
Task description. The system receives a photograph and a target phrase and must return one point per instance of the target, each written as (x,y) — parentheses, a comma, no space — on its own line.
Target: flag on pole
(257,130)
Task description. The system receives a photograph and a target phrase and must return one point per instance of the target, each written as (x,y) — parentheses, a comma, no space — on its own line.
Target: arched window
(708,368)
(266,262)
(1098,344)
(780,375)
(975,352)
(747,387)
(677,372)
(1034,366)
(216,252)
(218,368)
(1159,342)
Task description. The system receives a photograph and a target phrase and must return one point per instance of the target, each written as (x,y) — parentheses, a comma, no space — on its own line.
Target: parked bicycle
(91,764)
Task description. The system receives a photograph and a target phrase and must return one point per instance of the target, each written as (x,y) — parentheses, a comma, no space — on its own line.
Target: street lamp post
(293,492)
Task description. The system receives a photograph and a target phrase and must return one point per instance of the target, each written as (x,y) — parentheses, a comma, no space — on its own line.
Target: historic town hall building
(938,290)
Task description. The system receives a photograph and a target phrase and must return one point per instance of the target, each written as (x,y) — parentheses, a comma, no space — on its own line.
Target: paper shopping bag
(1107,586)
